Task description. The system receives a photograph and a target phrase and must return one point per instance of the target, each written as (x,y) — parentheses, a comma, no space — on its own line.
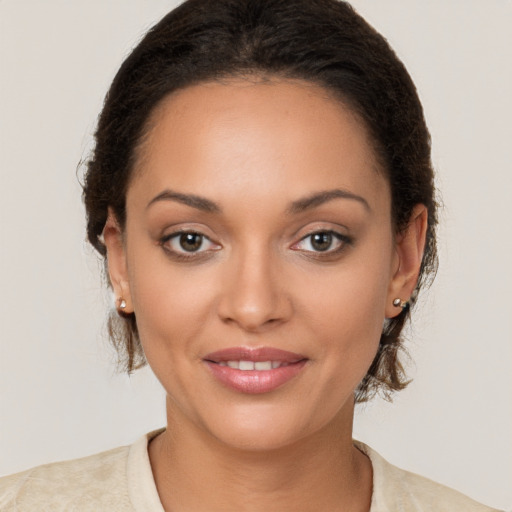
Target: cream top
(121,480)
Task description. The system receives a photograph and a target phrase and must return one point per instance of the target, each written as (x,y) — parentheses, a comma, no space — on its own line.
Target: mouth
(254,365)
(254,371)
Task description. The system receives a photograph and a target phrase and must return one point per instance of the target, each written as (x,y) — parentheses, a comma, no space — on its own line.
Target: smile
(254,371)
(253,365)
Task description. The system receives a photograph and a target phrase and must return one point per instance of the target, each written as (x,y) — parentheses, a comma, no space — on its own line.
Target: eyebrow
(319,198)
(198,202)
(298,206)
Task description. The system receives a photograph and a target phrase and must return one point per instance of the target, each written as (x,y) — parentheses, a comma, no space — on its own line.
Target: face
(259,259)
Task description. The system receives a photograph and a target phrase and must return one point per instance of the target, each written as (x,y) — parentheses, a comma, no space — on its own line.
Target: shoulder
(89,483)
(396,490)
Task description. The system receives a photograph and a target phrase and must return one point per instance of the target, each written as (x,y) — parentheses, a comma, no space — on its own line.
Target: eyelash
(184,255)
(342,240)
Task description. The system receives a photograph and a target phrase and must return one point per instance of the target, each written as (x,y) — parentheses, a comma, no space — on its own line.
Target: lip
(254,381)
(253,354)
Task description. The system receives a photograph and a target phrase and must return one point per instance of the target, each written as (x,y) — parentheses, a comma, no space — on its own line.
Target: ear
(116,261)
(409,247)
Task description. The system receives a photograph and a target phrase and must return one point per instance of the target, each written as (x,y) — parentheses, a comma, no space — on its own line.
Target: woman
(262,190)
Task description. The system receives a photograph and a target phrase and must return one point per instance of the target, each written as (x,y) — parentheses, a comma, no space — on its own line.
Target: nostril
(252,322)
(251,297)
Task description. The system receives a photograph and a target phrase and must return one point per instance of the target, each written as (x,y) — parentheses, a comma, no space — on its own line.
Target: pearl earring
(399,303)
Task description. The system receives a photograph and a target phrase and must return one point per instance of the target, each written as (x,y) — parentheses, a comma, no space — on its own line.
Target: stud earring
(399,303)
(122,304)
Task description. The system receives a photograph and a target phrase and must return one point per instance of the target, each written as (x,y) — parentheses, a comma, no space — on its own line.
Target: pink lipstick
(254,370)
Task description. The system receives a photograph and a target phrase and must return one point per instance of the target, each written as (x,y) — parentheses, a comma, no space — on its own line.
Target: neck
(194,471)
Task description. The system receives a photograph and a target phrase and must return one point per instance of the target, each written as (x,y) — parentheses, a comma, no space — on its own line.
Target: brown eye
(188,244)
(321,241)
(191,242)
(329,242)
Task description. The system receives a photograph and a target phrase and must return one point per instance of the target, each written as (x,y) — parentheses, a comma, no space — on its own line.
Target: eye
(322,241)
(186,243)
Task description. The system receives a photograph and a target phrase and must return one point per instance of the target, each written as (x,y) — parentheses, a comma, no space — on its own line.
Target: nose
(253,295)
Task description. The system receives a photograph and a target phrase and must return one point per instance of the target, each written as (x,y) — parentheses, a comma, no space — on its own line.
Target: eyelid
(342,239)
(183,254)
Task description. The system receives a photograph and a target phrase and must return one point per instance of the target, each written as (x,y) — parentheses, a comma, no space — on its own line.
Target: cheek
(348,299)
(345,309)
(171,304)
(172,309)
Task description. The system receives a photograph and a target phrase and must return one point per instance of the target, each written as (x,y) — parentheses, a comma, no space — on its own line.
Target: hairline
(254,77)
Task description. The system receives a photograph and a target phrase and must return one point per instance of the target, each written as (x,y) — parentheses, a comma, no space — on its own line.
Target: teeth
(263,365)
(246,365)
(251,365)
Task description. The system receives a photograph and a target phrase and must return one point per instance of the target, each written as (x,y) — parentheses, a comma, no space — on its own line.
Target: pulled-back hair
(324,42)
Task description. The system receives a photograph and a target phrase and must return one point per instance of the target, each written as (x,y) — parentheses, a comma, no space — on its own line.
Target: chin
(267,427)
(258,437)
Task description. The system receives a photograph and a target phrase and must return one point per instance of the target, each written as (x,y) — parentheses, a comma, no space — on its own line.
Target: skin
(254,148)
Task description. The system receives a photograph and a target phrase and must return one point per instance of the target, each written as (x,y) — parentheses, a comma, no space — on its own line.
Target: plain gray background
(59,395)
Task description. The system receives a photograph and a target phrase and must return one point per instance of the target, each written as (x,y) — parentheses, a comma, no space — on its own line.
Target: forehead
(251,138)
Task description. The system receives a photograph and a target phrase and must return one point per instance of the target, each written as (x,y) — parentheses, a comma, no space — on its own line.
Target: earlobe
(116,262)
(409,247)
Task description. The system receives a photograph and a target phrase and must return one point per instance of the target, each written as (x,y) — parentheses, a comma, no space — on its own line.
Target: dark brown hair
(321,41)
